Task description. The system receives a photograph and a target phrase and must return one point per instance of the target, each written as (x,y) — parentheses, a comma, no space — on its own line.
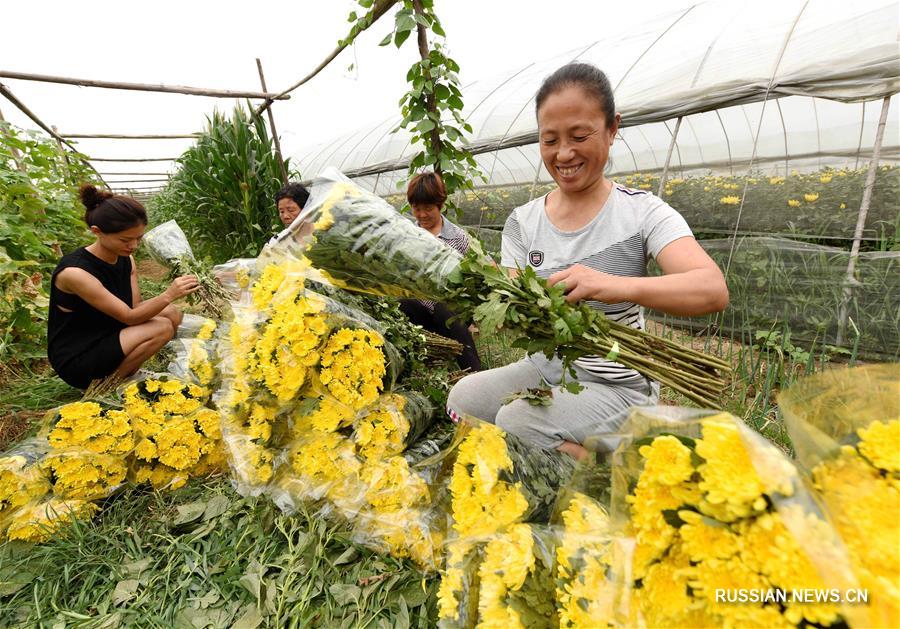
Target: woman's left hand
(584,283)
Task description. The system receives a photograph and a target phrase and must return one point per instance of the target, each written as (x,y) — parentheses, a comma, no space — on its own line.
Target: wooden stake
(850,281)
(262,81)
(141,87)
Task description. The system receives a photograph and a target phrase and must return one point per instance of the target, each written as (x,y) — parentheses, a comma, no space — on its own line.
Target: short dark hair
(295,191)
(588,77)
(426,189)
(111,213)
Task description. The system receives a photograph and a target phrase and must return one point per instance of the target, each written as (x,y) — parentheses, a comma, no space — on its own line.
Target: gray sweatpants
(596,410)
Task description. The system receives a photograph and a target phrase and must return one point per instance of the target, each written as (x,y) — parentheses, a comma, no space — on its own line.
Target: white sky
(214,44)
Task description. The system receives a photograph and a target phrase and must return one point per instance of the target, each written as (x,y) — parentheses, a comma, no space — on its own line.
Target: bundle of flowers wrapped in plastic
(496,484)
(285,346)
(586,555)
(499,581)
(350,463)
(175,435)
(724,532)
(398,515)
(168,246)
(195,352)
(845,427)
(361,243)
(22,482)
(89,444)
(38,522)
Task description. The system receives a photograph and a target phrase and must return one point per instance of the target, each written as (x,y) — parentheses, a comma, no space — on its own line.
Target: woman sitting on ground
(98,323)
(426,194)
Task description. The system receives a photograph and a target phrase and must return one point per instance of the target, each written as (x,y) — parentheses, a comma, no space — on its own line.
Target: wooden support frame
(143,87)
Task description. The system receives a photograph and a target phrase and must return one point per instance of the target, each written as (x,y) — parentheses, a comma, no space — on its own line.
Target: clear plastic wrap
(38,522)
(234,275)
(845,427)
(194,352)
(364,244)
(169,247)
(717,513)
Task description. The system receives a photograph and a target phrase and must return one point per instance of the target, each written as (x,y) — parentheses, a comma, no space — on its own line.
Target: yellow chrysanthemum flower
(353,366)
(39,522)
(667,461)
(811,197)
(880,444)
(793,203)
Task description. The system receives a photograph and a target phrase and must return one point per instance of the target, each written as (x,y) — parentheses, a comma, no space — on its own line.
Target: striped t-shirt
(632,227)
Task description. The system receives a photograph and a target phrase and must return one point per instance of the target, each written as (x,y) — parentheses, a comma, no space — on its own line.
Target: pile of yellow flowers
(175,435)
(722,511)
(383,431)
(353,366)
(199,358)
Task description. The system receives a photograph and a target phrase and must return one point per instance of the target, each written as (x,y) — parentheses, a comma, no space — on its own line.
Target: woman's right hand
(181,286)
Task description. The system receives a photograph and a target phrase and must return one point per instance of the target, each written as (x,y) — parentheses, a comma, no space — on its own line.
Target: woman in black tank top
(98,323)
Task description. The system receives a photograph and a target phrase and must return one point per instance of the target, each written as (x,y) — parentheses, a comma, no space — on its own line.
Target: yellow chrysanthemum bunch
(322,413)
(861,487)
(704,524)
(353,366)
(39,522)
(327,465)
(508,560)
(481,503)
(383,430)
(583,596)
(151,403)
(390,485)
(184,446)
(288,343)
(21,483)
(88,426)
(84,475)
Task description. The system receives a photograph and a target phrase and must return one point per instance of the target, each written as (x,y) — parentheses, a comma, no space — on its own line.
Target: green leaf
(344,593)
(189,512)
(251,618)
(125,591)
(216,506)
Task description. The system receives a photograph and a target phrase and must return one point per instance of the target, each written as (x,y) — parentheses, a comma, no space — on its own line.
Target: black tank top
(69,334)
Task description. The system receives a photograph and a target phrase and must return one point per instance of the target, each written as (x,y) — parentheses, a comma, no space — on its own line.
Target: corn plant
(223,195)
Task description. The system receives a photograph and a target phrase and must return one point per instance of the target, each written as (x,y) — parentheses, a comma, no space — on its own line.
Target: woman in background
(426,194)
(99,324)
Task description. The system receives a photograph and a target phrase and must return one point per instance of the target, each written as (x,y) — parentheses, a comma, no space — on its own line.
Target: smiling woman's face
(574,139)
(288,210)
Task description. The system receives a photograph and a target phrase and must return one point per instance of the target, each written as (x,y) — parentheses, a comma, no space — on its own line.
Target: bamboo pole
(108,136)
(262,81)
(850,280)
(380,8)
(142,87)
(137,181)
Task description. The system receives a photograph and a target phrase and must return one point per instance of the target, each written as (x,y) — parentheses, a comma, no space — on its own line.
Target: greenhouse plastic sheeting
(714,63)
